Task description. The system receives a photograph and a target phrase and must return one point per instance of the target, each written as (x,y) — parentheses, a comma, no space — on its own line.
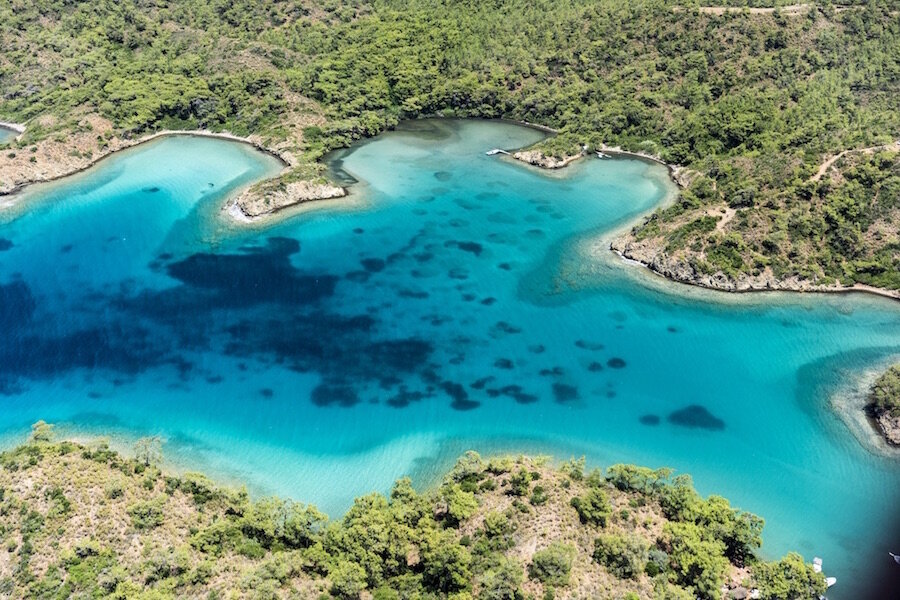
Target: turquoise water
(6,135)
(462,302)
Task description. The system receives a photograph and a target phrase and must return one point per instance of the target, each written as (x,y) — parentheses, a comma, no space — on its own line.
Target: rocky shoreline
(537,158)
(889,427)
(883,404)
(52,159)
(682,271)
(258,202)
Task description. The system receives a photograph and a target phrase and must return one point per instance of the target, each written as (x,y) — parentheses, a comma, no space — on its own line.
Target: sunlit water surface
(458,305)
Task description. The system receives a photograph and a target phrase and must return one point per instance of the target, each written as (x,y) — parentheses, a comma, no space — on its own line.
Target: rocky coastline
(537,158)
(683,271)
(888,426)
(883,405)
(55,158)
(263,200)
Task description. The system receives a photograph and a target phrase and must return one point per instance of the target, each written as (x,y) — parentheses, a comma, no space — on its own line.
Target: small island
(79,519)
(884,405)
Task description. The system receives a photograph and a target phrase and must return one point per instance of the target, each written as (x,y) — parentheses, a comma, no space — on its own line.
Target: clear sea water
(6,135)
(462,302)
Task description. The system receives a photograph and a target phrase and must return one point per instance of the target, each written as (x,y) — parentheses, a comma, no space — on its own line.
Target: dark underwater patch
(515,392)
(519,395)
(537,349)
(326,394)
(152,190)
(488,301)
(595,367)
(258,275)
(616,363)
(672,329)
(504,363)
(267,393)
(649,420)
(459,395)
(554,372)
(505,266)
(585,345)
(479,384)
(502,327)
(17,306)
(5,244)
(564,392)
(373,265)
(405,397)
(413,294)
(696,416)
(443,175)
(66,248)
(114,348)
(458,274)
(358,276)
(470,247)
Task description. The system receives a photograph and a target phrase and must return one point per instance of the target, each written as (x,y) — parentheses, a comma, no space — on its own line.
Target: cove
(462,303)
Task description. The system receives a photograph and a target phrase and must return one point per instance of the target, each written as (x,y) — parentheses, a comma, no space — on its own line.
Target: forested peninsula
(785,120)
(81,520)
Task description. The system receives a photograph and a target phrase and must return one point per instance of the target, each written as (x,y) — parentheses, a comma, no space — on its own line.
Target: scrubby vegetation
(754,102)
(82,521)
(885,397)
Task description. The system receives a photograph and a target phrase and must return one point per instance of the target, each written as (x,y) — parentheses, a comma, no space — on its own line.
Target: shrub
(457,504)
(519,483)
(347,580)
(623,556)
(502,582)
(446,567)
(538,495)
(697,562)
(885,396)
(593,507)
(147,514)
(790,578)
(553,564)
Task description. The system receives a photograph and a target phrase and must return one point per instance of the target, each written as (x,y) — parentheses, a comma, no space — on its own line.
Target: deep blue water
(458,301)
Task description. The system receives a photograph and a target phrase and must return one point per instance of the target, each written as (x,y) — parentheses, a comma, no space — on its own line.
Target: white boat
(830,581)
(817,564)
(602,155)
(496,151)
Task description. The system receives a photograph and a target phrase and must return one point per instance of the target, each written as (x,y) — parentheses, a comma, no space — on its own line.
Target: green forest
(753,101)
(91,523)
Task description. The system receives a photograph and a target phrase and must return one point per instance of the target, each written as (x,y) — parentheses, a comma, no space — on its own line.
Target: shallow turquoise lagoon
(459,301)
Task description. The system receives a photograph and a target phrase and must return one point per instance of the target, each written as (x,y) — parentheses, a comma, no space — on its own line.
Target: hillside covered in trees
(754,101)
(83,521)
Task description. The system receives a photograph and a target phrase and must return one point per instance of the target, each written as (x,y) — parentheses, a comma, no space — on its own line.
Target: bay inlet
(327,354)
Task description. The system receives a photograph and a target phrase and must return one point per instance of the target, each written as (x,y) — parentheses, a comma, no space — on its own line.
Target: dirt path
(792,9)
(823,168)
